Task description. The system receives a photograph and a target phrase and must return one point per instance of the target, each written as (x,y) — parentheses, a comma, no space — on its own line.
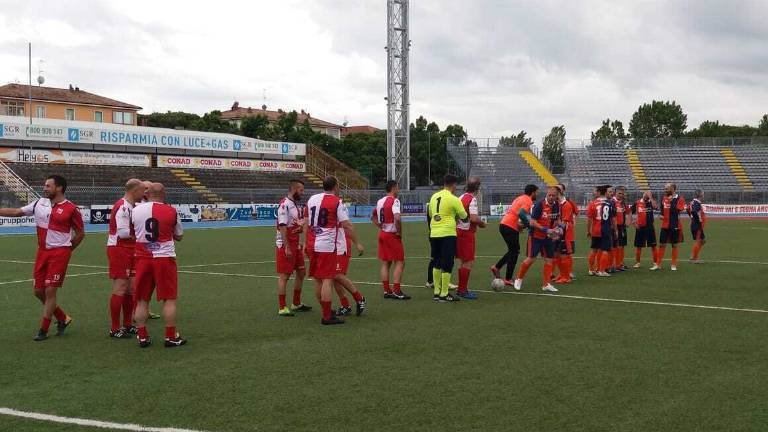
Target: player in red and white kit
(289,255)
(120,252)
(342,283)
(386,216)
(326,216)
(59,232)
(157,226)
(465,237)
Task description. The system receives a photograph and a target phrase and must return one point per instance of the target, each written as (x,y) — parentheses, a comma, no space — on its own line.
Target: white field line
(69,276)
(87,422)
(563,296)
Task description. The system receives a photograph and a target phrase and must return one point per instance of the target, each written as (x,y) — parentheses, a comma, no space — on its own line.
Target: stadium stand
(499,167)
(586,167)
(754,160)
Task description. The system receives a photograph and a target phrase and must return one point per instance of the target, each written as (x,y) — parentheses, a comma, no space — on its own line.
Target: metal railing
(625,143)
(353,185)
(15,184)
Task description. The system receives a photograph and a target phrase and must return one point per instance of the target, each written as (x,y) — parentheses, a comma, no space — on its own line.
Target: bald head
(134,190)
(156,192)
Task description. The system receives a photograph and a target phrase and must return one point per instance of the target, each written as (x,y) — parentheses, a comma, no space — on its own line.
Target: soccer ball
(497,284)
(555,234)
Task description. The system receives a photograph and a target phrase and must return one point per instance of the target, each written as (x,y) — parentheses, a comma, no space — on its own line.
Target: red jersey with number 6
(155,225)
(325,213)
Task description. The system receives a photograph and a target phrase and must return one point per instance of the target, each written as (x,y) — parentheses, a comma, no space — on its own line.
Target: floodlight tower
(398,136)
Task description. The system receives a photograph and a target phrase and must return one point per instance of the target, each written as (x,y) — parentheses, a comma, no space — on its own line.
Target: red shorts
(465,245)
(157,273)
(322,265)
(390,247)
(120,262)
(51,267)
(342,263)
(287,265)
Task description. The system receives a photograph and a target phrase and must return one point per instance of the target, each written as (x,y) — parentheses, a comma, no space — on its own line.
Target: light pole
(429,159)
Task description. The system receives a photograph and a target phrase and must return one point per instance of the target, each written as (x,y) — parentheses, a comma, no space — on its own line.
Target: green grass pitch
(505,362)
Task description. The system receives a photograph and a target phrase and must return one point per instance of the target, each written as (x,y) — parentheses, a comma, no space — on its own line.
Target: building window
(122,118)
(12,108)
(40,111)
(70,114)
(98,117)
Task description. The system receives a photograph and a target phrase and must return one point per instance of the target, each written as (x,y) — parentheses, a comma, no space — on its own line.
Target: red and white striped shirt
(54,222)
(469,202)
(120,227)
(326,213)
(156,224)
(290,215)
(386,209)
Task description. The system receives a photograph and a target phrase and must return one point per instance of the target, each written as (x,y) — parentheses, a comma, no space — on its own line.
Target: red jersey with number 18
(155,225)
(325,213)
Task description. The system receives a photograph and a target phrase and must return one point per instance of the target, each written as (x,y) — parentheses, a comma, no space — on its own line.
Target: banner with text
(15,128)
(73,157)
(229,164)
(736,210)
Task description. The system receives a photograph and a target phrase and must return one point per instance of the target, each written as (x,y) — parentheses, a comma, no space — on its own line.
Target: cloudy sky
(495,67)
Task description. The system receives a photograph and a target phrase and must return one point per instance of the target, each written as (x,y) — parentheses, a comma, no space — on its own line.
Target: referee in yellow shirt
(444,208)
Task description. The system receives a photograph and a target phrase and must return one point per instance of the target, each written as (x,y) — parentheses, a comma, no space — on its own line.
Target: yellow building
(65,104)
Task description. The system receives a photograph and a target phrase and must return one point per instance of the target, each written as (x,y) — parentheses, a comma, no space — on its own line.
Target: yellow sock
(446,283)
(437,279)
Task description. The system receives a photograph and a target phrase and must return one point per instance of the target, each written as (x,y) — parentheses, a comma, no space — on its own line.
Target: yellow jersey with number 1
(444,208)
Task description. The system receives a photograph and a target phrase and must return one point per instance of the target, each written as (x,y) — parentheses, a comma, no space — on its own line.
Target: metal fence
(667,142)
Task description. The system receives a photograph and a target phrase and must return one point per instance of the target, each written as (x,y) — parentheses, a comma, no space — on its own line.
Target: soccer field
(679,351)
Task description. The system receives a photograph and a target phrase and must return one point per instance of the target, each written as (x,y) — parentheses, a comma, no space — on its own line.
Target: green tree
(212,122)
(658,120)
(519,140)
(763,127)
(169,119)
(256,127)
(553,148)
(609,130)
(717,129)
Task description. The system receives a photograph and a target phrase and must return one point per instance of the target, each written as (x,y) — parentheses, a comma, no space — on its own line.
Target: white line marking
(69,276)
(226,264)
(87,422)
(565,296)
(70,264)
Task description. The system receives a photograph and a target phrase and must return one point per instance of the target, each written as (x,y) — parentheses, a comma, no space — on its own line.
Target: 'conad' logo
(240,163)
(179,161)
(265,164)
(211,162)
(294,165)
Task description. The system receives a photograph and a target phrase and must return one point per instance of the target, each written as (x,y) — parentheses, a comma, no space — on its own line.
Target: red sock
(591,260)
(605,261)
(385,285)
(674,256)
(638,253)
(524,269)
(143,332)
(562,266)
(654,253)
(170,332)
(696,250)
(296,297)
(463,278)
(660,255)
(621,258)
(281,300)
(127,311)
(115,307)
(569,268)
(326,306)
(556,263)
(396,288)
(59,314)
(344,301)
(359,297)
(548,272)
(45,323)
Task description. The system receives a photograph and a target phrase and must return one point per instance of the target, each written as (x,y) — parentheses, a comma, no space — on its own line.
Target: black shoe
(401,296)
(448,298)
(143,343)
(131,330)
(360,307)
(334,320)
(388,295)
(436,297)
(175,342)
(300,308)
(343,311)
(119,334)
(62,325)
(41,335)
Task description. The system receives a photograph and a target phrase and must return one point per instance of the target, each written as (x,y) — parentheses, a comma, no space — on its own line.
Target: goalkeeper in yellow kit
(444,208)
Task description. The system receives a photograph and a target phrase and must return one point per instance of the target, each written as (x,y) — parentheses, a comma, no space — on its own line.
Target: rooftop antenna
(263,97)
(30,83)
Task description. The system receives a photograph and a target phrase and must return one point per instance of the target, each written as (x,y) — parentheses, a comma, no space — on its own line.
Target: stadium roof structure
(237,112)
(72,95)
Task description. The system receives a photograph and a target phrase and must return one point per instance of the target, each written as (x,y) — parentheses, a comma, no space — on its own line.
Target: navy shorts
(565,247)
(604,242)
(621,240)
(698,234)
(671,236)
(544,247)
(645,237)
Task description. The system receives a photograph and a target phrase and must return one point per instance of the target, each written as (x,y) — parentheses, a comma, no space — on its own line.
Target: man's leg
(128,306)
(169,315)
(674,255)
(298,284)
(343,281)
(397,275)
(513,247)
(384,275)
(116,302)
(282,284)
(549,265)
(464,271)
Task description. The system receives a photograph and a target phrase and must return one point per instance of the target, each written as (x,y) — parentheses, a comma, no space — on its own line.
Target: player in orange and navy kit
(341,282)
(289,255)
(326,217)
(698,221)
(121,242)
(59,232)
(544,224)
(386,216)
(671,226)
(645,233)
(512,223)
(566,246)
(465,237)
(620,242)
(601,227)
(158,227)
